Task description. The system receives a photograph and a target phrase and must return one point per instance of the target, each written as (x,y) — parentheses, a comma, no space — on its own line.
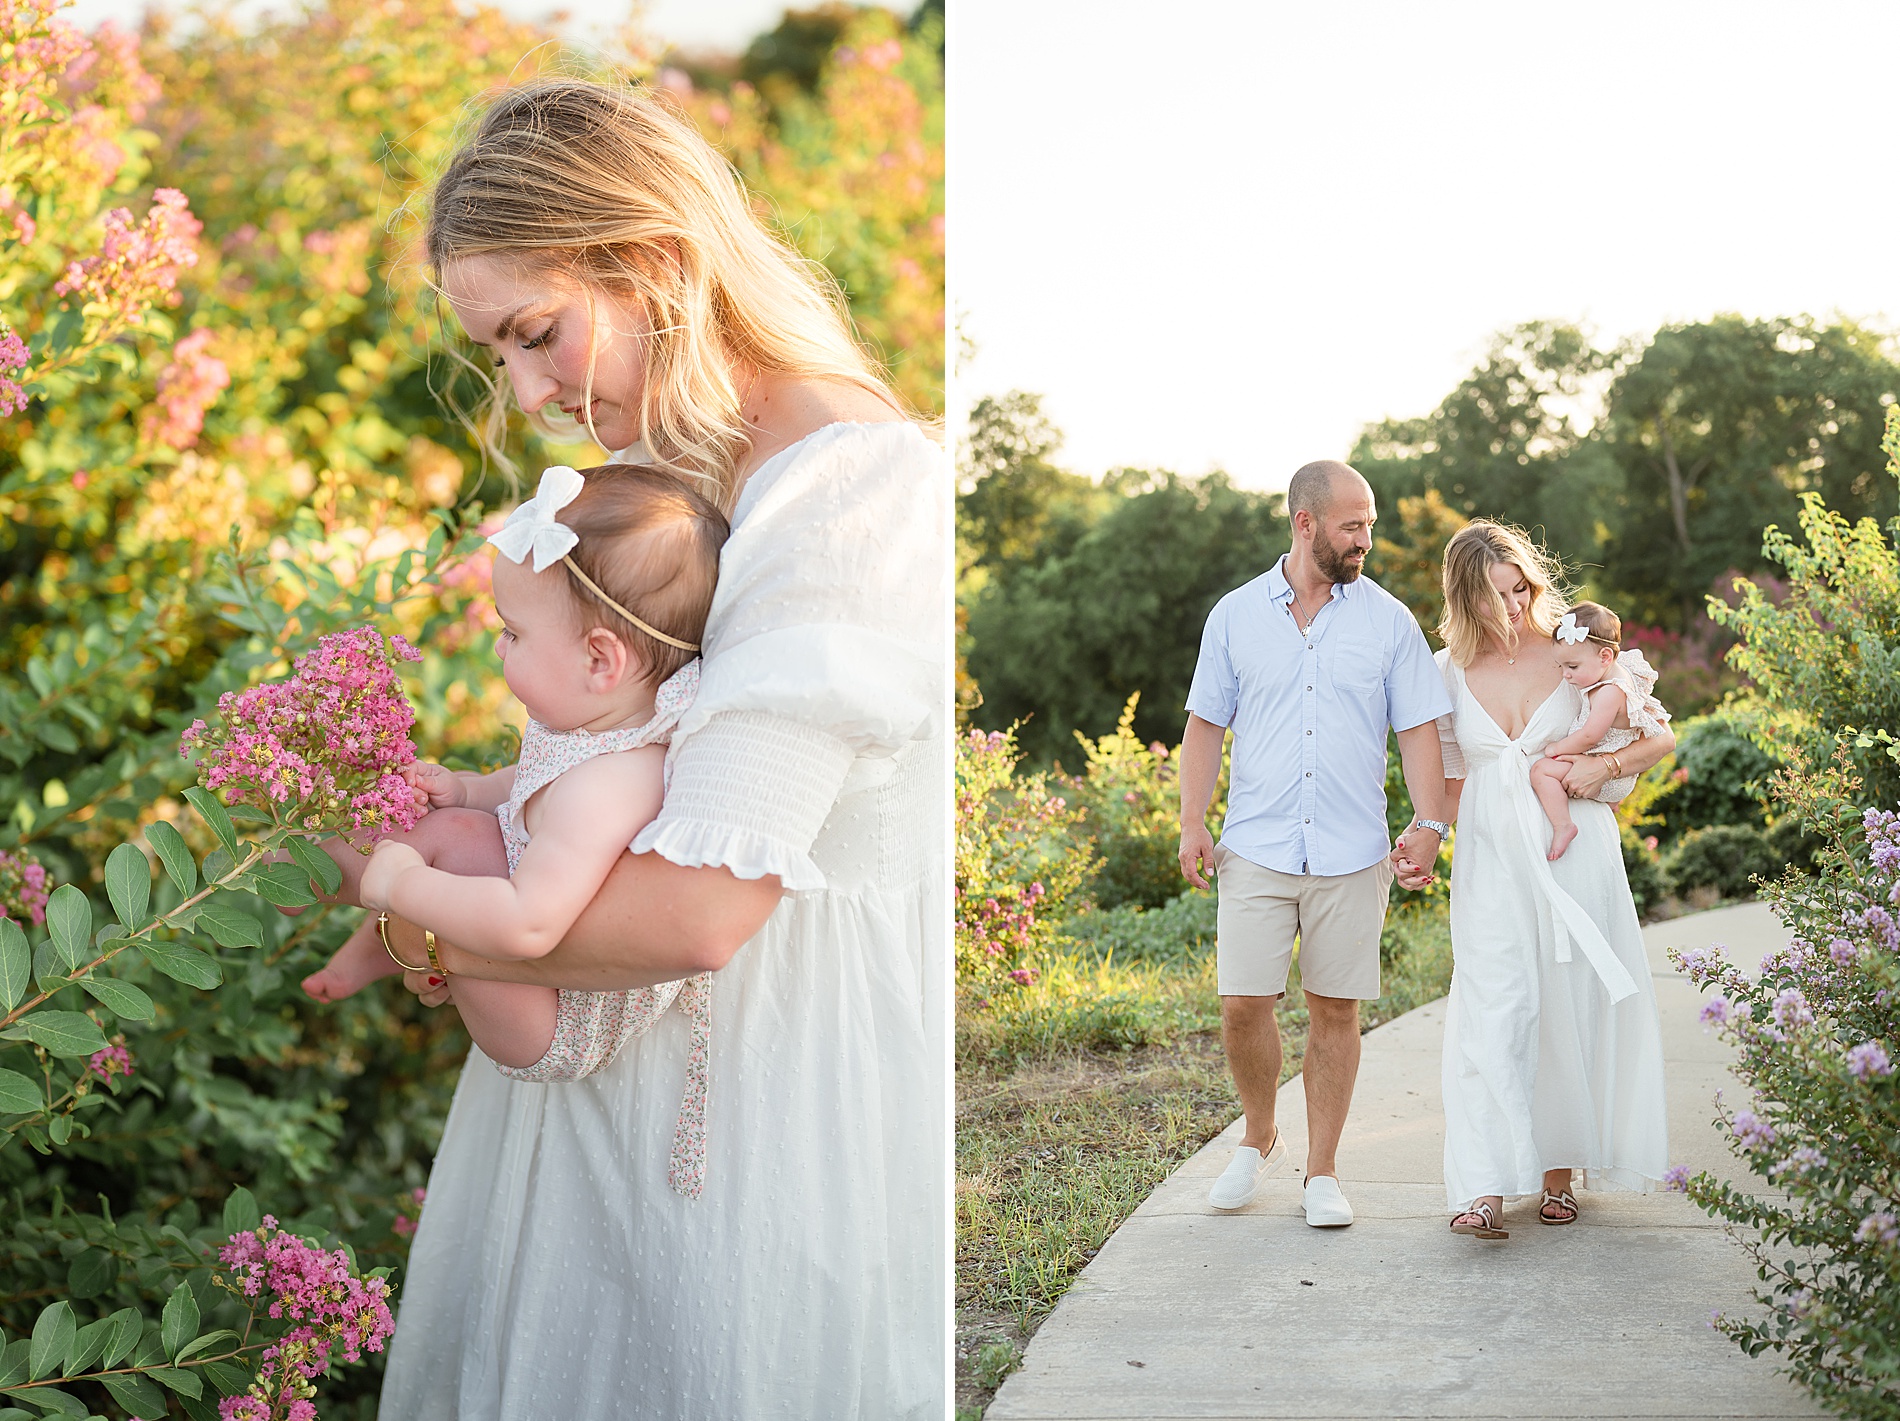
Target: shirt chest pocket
(1357,665)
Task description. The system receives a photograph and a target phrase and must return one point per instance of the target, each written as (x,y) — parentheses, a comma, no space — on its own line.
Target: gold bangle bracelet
(1616,766)
(382,931)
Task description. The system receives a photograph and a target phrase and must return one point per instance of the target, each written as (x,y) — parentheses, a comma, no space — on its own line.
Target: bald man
(1308,665)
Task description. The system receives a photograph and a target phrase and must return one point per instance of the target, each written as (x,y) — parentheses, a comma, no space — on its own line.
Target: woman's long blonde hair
(1473,606)
(606,186)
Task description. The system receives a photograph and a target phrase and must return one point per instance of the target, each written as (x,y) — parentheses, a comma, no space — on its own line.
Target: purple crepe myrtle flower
(1878,1228)
(1676,1179)
(1868,1059)
(1714,1012)
(1791,1008)
(1800,1162)
(1842,951)
(1752,1130)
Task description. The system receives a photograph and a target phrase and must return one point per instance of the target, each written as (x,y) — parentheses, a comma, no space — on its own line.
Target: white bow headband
(533,529)
(1569,632)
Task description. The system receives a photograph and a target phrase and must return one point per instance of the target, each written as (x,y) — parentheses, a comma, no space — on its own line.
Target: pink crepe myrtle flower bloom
(187,386)
(14,358)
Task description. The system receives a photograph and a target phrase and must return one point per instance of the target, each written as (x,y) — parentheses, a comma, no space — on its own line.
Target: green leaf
(64,1033)
(122,999)
(137,1395)
(284,885)
(179,1323)
(183,964)
(16,964)
(227,1378)
(52,1339)
(57,737)
(60,1129)
(208,1342)
(127,1325)
(172,851)
(88,1343)
(217,864)
(323,869)
(14,1413)
(92,1273)
(232,927)
(241,1214)
(13,1362)
(183,1382)
(129,885)
(19,1095)
(69,920)
(51,1400)
(213,814)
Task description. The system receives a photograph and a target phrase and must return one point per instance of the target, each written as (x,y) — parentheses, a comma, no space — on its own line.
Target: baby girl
(1618,709)
(602,609)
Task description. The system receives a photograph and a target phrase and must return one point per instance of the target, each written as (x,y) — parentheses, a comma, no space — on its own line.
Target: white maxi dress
(554,1273)
(1553,1051)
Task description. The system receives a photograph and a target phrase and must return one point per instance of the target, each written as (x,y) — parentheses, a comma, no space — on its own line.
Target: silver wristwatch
(1438,827)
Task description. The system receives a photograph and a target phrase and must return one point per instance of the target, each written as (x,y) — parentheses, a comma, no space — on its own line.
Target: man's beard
(1335,564)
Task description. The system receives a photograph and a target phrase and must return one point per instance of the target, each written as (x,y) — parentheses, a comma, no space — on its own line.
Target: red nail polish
(435,981)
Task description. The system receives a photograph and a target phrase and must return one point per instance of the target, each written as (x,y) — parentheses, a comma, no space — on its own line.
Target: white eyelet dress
(554,1272)
(591,1027)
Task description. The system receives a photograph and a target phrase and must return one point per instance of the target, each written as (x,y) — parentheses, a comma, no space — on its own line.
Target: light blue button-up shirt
(1309,715)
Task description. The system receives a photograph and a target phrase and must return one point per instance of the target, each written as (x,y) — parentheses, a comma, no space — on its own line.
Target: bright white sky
(1229,234)
(690,24)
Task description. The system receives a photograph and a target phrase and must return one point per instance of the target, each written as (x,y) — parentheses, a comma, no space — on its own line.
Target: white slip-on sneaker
(1326,1207)
(1244,1172)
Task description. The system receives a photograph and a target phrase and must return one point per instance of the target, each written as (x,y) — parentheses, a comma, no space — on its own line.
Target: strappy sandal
(1484,1222)
(1564,1200)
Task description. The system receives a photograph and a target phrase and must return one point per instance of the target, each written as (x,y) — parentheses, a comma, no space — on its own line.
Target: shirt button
(1309,688)
(1309,732)
(1309,821)
(1309,774)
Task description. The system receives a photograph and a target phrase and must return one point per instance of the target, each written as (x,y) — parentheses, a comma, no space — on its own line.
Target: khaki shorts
(1337,920)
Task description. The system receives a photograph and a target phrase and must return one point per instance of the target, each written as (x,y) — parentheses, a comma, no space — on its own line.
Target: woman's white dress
(1553,1052)
(554,1273)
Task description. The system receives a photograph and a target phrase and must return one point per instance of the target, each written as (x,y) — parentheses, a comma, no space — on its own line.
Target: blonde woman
(1553,1054)
(608,261)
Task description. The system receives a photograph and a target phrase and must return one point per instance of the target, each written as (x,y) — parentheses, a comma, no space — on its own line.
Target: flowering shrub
(1017,861)
(323,749)
(1132,796)
(1817,1033)
(325,1304)
(23,888)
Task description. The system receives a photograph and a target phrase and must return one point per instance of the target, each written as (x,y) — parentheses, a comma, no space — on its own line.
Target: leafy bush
(1724,776)
(1826,659)
(1131,793)
(1074,1002)
(1643,867)
(1726,858)
(1179,931)
(1817,1034)
(1017,863)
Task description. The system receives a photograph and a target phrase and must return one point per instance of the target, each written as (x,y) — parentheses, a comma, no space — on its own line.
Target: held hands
(434,787)
(1415,856)
(391,861)
(1196,854)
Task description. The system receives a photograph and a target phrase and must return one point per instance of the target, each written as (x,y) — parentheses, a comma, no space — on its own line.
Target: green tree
(1717,428)
(1014,505)
(1062,643)
(1509,443)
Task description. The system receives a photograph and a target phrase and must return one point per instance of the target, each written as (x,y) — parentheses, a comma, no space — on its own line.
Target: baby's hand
(391,861)
(434,787)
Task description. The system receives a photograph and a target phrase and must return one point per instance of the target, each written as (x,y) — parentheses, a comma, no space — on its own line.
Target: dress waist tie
(1566,917)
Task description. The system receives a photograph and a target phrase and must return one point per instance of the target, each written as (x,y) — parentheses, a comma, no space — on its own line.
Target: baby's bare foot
(360,961)
(1560,840)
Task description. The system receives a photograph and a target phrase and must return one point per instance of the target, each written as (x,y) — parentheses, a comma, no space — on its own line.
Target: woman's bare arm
(652,921)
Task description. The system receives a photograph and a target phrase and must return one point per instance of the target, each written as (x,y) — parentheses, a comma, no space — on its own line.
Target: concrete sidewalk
(1192,1313)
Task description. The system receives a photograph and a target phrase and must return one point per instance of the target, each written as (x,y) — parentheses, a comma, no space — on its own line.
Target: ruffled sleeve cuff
(749,792)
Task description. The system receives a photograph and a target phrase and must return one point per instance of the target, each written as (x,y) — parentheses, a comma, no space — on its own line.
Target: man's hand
(389,863)
(1197,854)
(434,787)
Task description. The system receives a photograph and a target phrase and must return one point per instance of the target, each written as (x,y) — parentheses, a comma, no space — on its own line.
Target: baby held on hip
(1618,709)
(602,609)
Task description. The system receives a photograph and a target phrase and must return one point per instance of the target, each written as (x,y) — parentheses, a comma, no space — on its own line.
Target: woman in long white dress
(1553,1053)
(592,240)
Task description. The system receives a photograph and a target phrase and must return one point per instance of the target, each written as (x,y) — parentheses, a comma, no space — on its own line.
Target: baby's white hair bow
(533,528)
(1569,632)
